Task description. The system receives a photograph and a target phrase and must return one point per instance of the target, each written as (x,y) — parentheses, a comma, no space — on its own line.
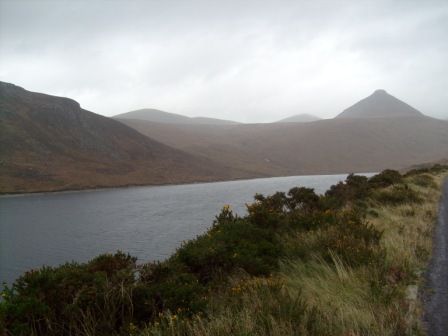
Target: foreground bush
(72,298)
(385,178)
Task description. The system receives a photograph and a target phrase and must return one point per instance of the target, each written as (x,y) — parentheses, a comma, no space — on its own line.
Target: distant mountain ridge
(379,104)
(303,117)
(159,116)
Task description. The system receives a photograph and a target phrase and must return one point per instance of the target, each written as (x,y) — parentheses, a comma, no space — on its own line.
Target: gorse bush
(166,286)
(303,198)
(337,231)
(385,178)
(63,300)
(228,247)
(355,188)
(354,241)
(231,279)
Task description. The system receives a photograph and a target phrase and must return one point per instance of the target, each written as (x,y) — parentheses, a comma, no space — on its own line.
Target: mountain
(50,143)
(379,104)
(300,118)
(376,133)
(170,118)
(322,147)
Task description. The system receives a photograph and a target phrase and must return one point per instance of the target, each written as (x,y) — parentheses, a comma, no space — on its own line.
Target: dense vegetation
(296,264)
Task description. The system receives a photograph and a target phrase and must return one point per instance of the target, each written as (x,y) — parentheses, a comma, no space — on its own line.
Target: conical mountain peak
(379,104)
(380,91)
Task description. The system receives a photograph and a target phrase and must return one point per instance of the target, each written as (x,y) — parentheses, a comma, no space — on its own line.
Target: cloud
(233,60)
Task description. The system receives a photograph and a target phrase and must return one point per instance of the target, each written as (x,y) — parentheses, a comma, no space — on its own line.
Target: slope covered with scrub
(344,263)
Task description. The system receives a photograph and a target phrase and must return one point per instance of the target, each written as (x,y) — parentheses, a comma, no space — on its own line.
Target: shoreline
(128,186)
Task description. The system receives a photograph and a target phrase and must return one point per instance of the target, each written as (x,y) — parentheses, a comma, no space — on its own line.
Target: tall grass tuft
(338,296)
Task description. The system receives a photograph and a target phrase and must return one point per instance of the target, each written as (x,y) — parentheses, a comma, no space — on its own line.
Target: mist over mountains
(51,143)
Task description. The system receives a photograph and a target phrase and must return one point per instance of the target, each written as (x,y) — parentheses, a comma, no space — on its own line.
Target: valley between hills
(50,143)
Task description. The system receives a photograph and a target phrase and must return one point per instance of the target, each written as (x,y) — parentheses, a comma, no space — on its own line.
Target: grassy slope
(343,294)
(317,297)
(346,263)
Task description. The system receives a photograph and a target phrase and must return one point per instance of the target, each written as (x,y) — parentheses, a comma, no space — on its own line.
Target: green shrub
(356,242)
(312,221)
(229,246)
(341,232)
(60,301)
(268,212)
(385,178)
(355,187)
(303,198)
(167,286)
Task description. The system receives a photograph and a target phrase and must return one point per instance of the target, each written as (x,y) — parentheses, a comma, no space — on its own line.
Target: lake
(147,222)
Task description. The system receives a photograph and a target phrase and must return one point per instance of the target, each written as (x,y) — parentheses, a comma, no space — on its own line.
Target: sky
(247,60)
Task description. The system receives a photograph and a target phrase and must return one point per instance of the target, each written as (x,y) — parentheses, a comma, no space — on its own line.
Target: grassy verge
(344,263)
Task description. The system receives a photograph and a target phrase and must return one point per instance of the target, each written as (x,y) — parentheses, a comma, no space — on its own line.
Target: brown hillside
(321,147)
(50,143)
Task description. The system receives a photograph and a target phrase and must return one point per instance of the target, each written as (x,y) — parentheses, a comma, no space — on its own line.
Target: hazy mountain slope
(358,145)
(322,147)
(50,143)
(225,144)
(170,118)
(212,121)
(379,104)
(300,118)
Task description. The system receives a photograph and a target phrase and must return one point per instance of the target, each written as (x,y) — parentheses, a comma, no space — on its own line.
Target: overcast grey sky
(249,61)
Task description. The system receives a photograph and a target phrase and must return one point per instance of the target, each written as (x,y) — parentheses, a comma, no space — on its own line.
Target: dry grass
(407,239)
(317,297)
(339,294)
(408,228)
(251,307)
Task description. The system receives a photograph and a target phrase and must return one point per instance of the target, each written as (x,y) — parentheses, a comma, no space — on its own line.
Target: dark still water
(147,222)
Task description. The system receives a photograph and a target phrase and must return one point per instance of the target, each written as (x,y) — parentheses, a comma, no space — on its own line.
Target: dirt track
(437,279)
